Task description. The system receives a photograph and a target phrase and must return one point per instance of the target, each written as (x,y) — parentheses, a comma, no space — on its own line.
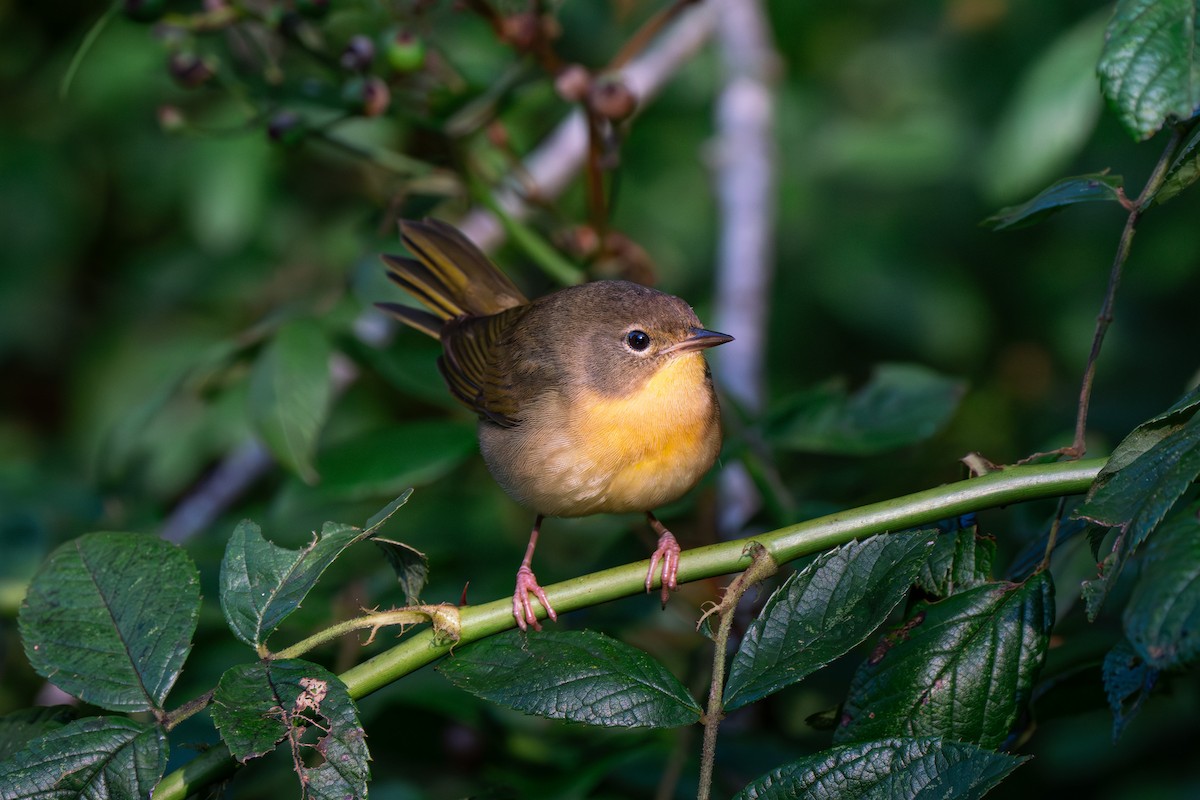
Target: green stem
(762,566)
(1105,317)
(1000,488)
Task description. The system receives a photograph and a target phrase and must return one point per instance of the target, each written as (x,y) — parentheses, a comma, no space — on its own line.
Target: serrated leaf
(900,405)
(1183,172)
(960,559)
(106,758)
(380,517)
(1091,188)
(1149,69)
(1128,681)
(1163,614)
(578,676)
(19,728)
(290,392)
(823,611)
(962,668)
(109,618)
(262,583)
(380,463)
(916,769)
(1154,467)
(257,706)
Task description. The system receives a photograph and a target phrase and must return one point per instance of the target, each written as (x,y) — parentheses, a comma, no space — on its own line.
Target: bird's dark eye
(637,340)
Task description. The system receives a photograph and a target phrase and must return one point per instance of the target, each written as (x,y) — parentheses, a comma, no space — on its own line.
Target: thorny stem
(1105,318)
(999,488)
(762,566)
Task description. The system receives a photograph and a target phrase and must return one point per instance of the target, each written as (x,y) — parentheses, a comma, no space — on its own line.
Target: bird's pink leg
(668,553)
(527,584)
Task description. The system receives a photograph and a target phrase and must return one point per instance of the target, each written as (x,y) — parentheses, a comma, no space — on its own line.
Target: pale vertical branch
(745,168)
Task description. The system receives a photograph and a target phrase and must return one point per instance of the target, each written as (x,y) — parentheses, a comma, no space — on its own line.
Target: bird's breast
(595,453)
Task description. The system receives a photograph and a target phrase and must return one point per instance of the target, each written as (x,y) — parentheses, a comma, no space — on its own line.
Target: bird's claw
(668,553)
(523,611)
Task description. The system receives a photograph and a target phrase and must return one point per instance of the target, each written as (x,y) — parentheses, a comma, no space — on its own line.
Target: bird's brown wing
(475,366)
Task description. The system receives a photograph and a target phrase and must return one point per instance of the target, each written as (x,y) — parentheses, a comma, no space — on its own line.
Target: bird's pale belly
(600,454)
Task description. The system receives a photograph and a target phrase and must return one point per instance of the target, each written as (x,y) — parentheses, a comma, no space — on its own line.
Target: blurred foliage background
(153,237)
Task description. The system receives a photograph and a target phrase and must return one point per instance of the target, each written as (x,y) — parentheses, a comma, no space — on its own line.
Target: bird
(592,399)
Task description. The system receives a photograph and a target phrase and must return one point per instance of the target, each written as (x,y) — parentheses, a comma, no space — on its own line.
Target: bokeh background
(154,236)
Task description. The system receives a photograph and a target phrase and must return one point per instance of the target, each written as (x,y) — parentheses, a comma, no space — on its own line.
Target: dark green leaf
(1162,619)
(109,618)
(901,404)
(380,517)
(578,676)
(914,769)
(384,462)
(20,727)
(1148,69)
(257,706)
(106,758)
(290,392)
(1184,170)
(962,667)
(1068,191)
(410,564)
(1144,478)
(960,559)
(822,611)
(1127,683)
(262,583)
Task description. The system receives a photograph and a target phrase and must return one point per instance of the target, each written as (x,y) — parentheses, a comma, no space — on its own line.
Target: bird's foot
(668,553)
(523,611)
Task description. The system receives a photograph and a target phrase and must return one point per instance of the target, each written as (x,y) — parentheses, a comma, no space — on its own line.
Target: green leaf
(110,758)
(962,667)
(383,462)
(262,583)
(411,567)
(109,618)
(290,393)
(915,769)
(257,706)
(1051,114)
(1146,475)
(20,727)
(1148,69)
(578,676)
(900,405)
(822,612)
(961,559)
(1163,614)
(1128,681)
(1183,172)
(1068,191)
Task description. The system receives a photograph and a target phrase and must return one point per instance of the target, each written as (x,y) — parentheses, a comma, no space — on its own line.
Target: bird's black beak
(699,339)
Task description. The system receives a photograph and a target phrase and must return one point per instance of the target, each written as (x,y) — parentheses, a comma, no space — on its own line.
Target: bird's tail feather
(449,275)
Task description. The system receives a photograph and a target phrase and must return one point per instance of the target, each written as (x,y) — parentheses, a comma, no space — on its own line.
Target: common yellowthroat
(593,399)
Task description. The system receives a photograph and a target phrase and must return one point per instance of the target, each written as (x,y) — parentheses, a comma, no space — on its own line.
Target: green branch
(1000,488)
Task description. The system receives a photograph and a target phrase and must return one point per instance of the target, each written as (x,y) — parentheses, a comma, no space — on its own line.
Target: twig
(561,155)
(1105,318)
(762,566)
